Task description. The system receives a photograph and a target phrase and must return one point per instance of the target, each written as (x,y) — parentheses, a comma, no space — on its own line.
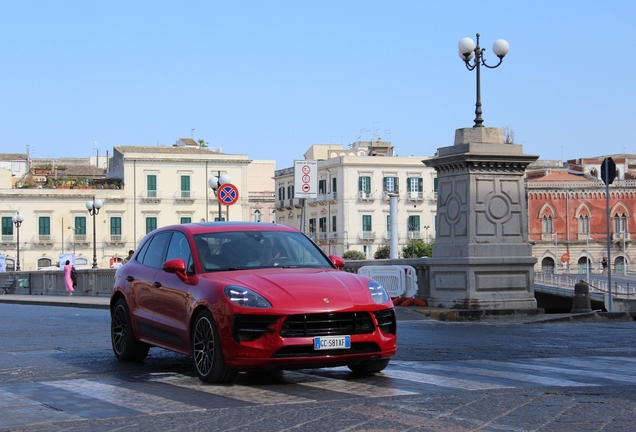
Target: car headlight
(378,294)
(241,296)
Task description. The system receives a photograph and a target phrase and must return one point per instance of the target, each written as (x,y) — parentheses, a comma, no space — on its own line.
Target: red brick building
(567,214)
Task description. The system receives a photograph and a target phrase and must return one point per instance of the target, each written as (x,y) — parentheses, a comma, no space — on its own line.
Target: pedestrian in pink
(68,281)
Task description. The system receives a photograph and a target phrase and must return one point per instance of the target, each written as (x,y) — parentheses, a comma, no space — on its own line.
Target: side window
(156,251)
(179,248)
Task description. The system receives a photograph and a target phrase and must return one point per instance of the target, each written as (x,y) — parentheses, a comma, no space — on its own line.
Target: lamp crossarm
(469,66)
(483,61)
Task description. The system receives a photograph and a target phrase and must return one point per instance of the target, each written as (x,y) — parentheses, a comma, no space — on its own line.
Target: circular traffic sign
(306,169)
(228,194)
(306,188)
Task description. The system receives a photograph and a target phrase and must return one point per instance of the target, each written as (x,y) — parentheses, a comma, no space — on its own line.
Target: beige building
(144,188)
(351,211)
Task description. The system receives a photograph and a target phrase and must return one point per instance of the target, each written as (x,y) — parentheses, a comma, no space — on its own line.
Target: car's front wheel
(125,346)
(207,352)
(369,366)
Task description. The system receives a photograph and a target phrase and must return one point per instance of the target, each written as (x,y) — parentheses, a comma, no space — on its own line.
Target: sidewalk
(516,316)
(49,300)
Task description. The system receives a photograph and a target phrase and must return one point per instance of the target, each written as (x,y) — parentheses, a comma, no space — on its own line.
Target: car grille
(386,321)
(326,324)
(250,327)
(309,351)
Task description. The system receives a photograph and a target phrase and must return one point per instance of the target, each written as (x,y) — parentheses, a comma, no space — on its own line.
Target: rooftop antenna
(375,130)
(192,133)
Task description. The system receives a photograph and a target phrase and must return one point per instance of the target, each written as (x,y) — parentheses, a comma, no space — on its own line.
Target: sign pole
(608,173)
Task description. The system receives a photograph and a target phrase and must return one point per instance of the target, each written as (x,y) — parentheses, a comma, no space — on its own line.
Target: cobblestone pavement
(73,383)
(577,394)
(536,409)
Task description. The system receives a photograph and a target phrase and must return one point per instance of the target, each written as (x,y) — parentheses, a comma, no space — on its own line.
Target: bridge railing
(619,289)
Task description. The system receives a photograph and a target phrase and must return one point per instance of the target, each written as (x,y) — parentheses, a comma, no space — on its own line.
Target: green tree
(383,252)
(417,249)
(353,255)
(202,144)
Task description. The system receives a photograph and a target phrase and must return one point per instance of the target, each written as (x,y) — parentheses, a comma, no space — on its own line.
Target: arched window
(620,223)
(81,261)
(44,262)
(257,215)
(546,225)
(584,225)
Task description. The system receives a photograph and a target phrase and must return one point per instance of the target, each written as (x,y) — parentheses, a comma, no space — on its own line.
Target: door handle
(157,284)
(130,278)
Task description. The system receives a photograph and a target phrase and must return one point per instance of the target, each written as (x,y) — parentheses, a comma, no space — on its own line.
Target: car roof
(206,227)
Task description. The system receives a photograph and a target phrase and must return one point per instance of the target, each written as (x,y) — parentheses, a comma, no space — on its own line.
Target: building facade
(568,215)
(351,211)
(144,188)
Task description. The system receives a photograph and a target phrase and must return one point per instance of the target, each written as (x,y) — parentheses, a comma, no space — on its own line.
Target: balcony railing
(415,196)
(8,239)
(185,195)
(415,235)
(44,239)
(367,235)
(151,195)
(115,239)
(366,196)
(79,239)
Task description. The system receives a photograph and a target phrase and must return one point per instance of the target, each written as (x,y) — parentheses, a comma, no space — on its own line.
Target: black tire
(207,354)
(125,346)
(369,366)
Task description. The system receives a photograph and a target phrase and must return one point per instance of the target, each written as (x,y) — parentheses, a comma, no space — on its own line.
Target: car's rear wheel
(125,346)
(207,353)
(369,366)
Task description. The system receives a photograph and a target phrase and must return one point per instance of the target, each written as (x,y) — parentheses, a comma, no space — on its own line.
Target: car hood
(306,289)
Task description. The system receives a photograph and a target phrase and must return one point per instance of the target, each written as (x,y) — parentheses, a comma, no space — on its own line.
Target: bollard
(581,300)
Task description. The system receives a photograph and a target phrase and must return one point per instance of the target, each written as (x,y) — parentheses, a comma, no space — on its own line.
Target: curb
(478,314)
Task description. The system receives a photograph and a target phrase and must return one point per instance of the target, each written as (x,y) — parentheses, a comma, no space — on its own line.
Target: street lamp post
(624,253)
(17,221)
(73,228)
(467,50)
(426,227)
(215,183)
(556,253)
(93,207)
(587,256)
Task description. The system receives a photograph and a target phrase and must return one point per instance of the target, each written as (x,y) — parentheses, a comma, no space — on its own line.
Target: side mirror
(176,266)
(337,261)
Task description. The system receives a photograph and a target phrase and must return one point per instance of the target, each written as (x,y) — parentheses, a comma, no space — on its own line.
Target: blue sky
(271,78)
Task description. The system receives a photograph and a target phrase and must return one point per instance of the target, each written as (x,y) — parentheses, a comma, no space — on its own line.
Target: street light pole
(426,227)
(93,207)
(215,183)
(556,253)
(624,252)
(467,50)
(587,256)
(17,221)
(74,241)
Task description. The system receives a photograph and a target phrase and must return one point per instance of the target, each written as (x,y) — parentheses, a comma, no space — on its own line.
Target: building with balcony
(351,210)
(144,188)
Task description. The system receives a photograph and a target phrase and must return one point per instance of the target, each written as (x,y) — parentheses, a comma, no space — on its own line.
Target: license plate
(332,342)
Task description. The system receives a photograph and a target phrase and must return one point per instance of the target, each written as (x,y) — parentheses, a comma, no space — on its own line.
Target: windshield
(240,250)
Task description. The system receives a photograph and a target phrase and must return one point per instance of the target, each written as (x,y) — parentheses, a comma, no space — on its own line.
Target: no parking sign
(228,194)
(305,179)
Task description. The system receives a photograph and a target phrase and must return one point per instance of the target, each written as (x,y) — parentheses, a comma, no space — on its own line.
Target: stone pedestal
(481,257)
